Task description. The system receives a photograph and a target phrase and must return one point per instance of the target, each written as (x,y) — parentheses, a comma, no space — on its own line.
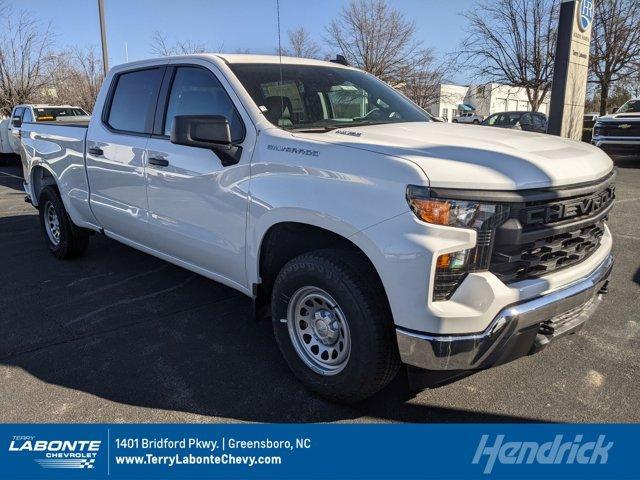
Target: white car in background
(468,118)
(27,113)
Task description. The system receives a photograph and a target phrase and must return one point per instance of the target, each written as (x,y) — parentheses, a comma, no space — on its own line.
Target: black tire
(454,121)
(477,122)
(348,278)
(72,241)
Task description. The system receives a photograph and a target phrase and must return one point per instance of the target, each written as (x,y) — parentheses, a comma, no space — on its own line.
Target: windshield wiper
(325,128)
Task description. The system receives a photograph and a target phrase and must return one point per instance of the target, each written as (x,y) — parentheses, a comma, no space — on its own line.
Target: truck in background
(619,133)
(27,113)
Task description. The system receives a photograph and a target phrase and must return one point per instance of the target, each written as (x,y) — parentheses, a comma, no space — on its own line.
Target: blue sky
(235,24)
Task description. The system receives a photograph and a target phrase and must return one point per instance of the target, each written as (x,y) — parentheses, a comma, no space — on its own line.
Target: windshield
(632,106)
(48,114)
(318,97)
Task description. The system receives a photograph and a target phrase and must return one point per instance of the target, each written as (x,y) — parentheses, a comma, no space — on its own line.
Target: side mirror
(206,131)
(17,122)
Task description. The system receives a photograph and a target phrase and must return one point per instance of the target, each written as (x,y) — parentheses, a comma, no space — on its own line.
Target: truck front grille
(544,236)
(547,254)
(621,129)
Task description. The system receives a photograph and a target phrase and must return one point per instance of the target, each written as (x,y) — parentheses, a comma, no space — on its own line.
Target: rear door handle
(159,162)
(96,151)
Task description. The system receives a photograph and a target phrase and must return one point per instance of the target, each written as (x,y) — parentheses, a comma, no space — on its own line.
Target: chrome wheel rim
(51,223)
(319,330)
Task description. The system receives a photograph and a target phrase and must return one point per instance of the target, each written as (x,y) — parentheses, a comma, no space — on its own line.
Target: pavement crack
(127,301)
(66,340)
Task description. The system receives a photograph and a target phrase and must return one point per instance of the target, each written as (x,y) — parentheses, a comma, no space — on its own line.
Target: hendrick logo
(554,452)
(586,10)
(57,453)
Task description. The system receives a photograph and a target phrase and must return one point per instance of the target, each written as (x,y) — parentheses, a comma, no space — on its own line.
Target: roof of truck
(229,58)
(242,58)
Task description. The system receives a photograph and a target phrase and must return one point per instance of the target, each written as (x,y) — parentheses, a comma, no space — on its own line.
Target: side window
(134,99)
(17,116)
(539,121)
(196,91)
(526,119)
(27,117)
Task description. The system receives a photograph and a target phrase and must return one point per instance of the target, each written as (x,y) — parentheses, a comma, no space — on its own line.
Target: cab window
(196,91)
(16,120)
(134,99)
(27,117)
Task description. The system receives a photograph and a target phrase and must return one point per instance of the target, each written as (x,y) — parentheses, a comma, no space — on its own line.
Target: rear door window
(134,99)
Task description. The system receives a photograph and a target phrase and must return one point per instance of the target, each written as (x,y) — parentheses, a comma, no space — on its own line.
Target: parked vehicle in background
(370,234)
(468,117)
(589,120)
(527,121)
(28,113)
(619,133)
(5,145)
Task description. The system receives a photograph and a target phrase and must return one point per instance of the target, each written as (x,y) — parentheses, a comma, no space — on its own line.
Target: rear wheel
(333,325)
(476,121)
(63,238)
(454,121)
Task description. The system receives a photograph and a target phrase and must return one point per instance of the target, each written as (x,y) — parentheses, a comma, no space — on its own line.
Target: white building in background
(482,99)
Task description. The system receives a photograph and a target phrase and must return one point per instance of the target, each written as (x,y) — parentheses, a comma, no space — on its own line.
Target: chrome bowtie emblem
(625,126)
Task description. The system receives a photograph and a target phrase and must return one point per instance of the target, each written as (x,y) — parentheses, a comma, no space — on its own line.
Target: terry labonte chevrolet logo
(75,454)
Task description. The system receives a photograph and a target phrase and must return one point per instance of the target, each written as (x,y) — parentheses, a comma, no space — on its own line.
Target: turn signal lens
(431,211)
(441,211)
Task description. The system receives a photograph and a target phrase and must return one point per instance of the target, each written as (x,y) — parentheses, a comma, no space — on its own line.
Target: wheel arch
(40,177)
(285,240)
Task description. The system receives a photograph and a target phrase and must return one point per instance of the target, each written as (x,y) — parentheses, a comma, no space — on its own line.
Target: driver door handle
(159,162)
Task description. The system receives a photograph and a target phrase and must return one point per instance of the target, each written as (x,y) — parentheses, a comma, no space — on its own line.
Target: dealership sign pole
(571,68)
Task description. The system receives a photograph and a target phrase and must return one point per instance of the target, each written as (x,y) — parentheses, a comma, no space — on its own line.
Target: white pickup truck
(373,235)
(619,133)
(41,113)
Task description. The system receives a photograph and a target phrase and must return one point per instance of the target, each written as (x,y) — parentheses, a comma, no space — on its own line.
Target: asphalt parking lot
(120,336)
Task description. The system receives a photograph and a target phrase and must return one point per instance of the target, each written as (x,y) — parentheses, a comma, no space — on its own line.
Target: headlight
(598,129)
(451,268)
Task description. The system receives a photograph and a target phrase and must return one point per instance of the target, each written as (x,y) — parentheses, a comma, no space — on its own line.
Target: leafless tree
(75,78)
(424,78)
(161,47)
(88,76)
(513,42)
(377,38)
(615,45)
(301,44)
(25,58)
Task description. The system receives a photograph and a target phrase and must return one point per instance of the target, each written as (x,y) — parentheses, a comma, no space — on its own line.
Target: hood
(622,117)
(478,157)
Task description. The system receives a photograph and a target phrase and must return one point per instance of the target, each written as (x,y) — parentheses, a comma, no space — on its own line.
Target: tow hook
(604,288)
(27,199)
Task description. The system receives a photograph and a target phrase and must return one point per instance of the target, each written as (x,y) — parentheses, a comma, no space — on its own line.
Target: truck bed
(57,149)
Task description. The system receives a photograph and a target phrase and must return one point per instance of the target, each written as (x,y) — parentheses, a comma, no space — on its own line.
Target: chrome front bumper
(518,330)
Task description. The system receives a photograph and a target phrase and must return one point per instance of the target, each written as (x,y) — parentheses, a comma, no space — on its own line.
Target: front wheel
(333,325)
